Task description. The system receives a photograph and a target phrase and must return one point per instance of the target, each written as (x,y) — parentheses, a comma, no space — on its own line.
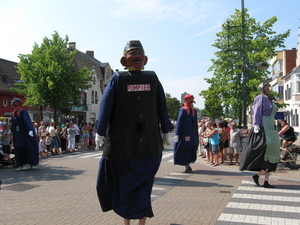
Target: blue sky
(176,34)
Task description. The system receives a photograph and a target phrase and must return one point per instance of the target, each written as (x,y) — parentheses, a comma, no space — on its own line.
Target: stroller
(290,156)
(5,161)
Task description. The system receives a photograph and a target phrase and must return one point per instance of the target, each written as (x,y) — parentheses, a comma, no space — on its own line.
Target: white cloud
(158,10)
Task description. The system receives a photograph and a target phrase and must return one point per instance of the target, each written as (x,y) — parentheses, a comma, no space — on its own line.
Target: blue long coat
(25,147)
(185,150)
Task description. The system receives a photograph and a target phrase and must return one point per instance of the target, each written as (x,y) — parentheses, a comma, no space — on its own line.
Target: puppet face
(267,89)
(134,59)
(190,101)
(15,104)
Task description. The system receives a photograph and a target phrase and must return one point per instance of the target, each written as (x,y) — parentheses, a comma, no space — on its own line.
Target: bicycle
(290,156)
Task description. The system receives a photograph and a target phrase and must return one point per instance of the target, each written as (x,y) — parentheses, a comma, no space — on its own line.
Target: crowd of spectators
(54,140)
(217,140)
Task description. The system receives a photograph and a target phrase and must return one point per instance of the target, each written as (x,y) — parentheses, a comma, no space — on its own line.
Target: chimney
(90,53)
(72,45)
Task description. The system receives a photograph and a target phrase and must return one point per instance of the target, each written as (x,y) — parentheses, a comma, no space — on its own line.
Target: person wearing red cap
(186,135)
(24,138)
(133,114)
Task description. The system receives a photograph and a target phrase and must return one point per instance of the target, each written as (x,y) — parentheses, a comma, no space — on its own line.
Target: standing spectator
(226,139)
(48,143)
(54,141)
(63,139)
(186,135)
(5,138)
(221,140)
(207,142)
(71,131)
(215,135)
(133,108)
(261,151)
(63,124)
(93,135)
(235,144)
(200,134)
(77,134)
(24,139)
(85,136)
(57,132)
(42,146)
(42,124)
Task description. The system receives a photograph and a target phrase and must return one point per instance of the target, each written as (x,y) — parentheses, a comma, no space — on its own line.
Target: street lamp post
(244,70)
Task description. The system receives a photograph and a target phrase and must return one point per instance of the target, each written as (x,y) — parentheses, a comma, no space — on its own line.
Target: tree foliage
(173,105)
(226,84)
(49,77)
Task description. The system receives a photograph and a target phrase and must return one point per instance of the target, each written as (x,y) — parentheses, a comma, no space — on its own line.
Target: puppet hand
(99,140)
(256,128)
(30,133)
(166,139)
(176,138)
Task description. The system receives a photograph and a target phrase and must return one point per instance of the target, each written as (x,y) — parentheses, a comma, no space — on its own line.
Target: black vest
(133,129)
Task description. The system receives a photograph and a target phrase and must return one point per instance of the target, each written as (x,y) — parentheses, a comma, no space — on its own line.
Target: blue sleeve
(106,105)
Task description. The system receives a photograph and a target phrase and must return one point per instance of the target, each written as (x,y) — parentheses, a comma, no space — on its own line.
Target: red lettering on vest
(138,87)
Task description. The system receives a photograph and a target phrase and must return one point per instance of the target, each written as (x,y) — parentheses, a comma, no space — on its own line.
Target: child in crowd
(48,142)
(3,156)
(42,146)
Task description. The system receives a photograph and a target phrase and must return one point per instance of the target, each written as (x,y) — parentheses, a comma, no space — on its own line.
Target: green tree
(227,81)
(49,77)
(173,105)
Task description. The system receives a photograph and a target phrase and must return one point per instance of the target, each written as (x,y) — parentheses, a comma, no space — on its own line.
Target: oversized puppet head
(16,102)
(264,88)
(189,99)
(134,57)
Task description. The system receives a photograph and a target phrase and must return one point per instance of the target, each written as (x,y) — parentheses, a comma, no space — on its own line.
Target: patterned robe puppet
(185,149)
(261,150)
(25,146)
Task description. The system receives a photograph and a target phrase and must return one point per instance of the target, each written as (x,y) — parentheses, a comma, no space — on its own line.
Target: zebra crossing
(258,205)
(167,155)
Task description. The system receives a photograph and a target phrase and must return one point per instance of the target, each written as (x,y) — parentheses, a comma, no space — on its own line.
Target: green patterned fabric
(273,142)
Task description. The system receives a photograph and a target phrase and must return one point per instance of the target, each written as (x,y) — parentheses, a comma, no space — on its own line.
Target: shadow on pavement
(39,173)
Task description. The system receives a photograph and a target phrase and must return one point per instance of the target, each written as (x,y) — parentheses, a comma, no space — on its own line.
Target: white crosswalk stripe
(257,205)
(167,156)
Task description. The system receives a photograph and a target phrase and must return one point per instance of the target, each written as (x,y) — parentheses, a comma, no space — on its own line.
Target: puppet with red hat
(186,135)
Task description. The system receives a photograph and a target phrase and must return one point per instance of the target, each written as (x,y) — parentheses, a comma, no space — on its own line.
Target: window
(297,118)
(298,87)
(93,100)
(96,97)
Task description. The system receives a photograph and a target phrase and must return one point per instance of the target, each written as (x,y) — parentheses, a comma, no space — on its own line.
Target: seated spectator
(287,133)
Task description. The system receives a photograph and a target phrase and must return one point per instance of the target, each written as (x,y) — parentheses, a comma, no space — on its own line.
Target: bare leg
(142,221)
(126,222)
(237,158)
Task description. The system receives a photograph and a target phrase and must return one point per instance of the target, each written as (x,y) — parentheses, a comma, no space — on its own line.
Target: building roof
(295,70)
(8,75)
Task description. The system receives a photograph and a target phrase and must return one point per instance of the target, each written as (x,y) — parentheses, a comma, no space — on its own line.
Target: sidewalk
(61,190)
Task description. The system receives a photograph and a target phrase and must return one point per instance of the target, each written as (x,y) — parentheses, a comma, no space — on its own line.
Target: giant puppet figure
(186,138)
(261,150)
(133,120)
(24,138)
